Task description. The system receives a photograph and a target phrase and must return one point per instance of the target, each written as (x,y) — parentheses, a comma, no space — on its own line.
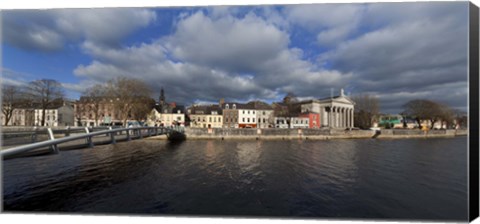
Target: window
(243,120)
(214,119)
(243,111)
(264,120)
(253,120)
(253,112)
(220,119)
(210,119)
(263,112)
(48,117)
(227,107)
(248,120)
(234,106)
(198,119)
(248,112)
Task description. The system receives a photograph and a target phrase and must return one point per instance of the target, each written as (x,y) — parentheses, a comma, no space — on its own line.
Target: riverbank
(311,134)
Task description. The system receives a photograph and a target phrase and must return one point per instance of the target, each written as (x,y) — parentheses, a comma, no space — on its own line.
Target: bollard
(50,134)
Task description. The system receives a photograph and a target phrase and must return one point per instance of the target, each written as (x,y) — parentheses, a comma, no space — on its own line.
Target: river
(414,179)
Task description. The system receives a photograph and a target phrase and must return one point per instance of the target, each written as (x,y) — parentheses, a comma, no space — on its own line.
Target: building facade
(230,115)
(299,122)
(21,117)
(335,112)
(205,116)
(60,116)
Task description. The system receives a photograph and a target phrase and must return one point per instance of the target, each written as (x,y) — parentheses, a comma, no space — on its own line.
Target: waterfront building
(55,116)
(205,116)
(20,117)
(246,116)
(281,122)
(299,122)
(335,112)
(313,119)
(230,115)
(85,108)
(264,114)
(175,117)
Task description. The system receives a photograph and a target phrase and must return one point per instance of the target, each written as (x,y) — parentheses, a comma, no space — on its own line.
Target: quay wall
(313,134)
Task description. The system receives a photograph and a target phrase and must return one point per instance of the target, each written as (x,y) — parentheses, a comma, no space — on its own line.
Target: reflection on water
(398,179)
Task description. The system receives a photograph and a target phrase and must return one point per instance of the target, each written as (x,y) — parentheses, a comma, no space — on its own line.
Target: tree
(421,109)
(94,96)
(126,94)
(45,92)
(13,98)
(367,109)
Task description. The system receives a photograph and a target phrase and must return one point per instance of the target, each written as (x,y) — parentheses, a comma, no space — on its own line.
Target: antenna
(331,92)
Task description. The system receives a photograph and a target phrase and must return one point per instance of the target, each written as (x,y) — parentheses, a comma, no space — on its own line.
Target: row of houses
(335,112)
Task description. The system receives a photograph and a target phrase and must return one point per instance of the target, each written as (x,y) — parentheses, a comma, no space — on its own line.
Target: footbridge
(72,137)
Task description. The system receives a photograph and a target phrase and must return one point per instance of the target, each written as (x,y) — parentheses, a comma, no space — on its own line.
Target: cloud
(49,30)
(421,54)
(212,57)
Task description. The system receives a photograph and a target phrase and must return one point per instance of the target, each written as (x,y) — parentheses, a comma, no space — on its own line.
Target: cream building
(20,117)
(177,117)
(205,116)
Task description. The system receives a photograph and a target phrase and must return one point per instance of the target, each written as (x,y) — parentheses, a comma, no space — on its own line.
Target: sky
(395,51)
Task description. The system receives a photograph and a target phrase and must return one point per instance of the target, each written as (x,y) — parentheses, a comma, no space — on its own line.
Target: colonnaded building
(335,112)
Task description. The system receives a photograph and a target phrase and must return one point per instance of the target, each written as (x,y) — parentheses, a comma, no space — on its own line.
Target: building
(281,122)
(264,114)
(21,117)
(299,122)
(205,116)
(85,108)
(246,116)
(175,117)
(313,119)
(230,115)
(55,116)
(335,112)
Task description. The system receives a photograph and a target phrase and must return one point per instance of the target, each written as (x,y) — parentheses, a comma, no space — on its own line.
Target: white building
(299,122)
(60,116)
(281,122)
(247,117)
(335,112)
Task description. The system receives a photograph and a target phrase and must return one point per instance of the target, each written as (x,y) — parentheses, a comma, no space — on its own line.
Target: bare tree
(367,109)
(45,92)
(142,107)
(126,93)
(94,96)
(13,98)
(421,109)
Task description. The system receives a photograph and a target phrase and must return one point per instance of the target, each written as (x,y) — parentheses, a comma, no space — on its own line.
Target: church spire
(162,97)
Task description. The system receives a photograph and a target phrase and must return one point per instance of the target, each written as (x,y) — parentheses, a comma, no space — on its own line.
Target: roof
(238,106)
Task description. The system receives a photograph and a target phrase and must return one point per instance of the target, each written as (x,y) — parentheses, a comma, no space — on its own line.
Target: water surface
(369,178)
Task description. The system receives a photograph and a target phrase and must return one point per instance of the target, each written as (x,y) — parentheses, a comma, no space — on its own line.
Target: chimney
(222,101)
(341,92)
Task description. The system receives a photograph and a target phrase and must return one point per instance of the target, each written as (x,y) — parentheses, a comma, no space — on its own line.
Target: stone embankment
(313,134)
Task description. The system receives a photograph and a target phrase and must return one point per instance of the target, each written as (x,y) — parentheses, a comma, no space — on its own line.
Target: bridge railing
(131,132)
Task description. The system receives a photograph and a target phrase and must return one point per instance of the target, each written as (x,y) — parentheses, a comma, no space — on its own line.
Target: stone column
(351,118)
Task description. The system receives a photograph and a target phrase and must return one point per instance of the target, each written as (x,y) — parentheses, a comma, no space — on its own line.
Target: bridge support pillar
(89,139)
(53,147)
(112,136)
